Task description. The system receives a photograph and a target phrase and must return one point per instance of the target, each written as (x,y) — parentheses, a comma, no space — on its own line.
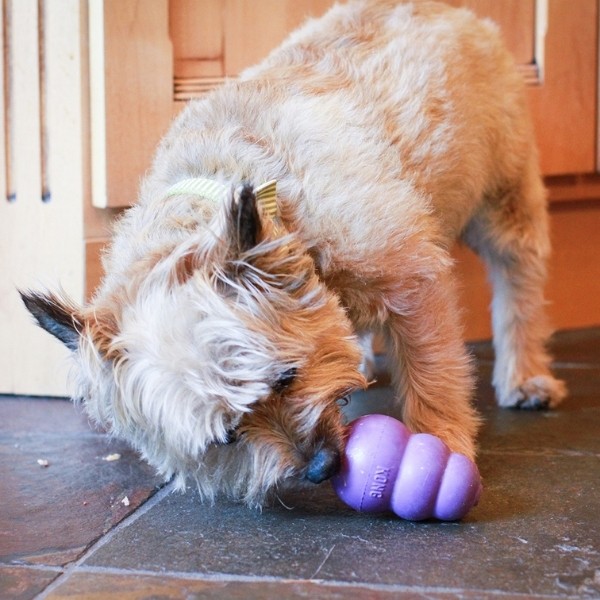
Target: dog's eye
(344,400)
(285,379)
(231,437)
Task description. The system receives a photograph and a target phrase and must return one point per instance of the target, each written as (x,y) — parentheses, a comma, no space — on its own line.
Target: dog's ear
(245,227)
(57,315)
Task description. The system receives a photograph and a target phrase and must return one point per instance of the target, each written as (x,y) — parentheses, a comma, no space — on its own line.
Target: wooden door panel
(563,103)
(235,34)
(558,61)
(517,19)
(131,80)
(42,184)
(196,30)
(253,29)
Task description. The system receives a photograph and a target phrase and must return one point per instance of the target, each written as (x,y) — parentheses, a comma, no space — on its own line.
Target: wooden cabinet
(89,87)
(555,44)
(131,82)
(553,41)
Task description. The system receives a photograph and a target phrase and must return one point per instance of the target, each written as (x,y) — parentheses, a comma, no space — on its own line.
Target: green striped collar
(266,194)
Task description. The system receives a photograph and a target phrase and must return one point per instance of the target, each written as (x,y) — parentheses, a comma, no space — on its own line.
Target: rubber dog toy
(386,467)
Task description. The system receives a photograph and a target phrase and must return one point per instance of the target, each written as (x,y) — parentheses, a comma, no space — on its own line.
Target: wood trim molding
(188,88)
(573,188)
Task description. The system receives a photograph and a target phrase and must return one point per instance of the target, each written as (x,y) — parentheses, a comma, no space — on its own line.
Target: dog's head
(221,355)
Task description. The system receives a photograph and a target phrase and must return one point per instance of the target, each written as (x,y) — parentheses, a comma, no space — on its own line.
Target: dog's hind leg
(510,233)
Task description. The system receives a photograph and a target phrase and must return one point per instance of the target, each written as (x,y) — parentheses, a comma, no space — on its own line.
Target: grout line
(43,109)
(575,365)
(33,567)
(104,539)
(543,452)
(323,562)
(384,587)
(8,104)
(558,364)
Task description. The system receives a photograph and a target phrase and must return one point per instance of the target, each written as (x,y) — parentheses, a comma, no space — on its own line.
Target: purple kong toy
(386,467)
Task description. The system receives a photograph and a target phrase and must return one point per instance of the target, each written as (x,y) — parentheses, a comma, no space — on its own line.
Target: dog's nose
(323,465)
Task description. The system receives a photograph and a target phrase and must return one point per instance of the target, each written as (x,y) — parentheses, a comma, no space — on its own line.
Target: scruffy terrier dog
(227,328)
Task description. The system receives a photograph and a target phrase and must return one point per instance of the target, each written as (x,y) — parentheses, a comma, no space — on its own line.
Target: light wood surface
(553,41)
(196,30)
(517,18)
(131,72)
(564,105)
(574,273)
(41,242)
(253,29)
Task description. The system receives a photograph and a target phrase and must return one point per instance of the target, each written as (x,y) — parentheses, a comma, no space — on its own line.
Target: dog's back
(379,103)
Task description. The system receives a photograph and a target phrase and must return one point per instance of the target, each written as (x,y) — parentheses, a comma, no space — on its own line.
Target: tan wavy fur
(392,130)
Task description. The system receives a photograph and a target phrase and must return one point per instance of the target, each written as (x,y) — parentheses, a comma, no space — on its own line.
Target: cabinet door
(43,167)
(554,43)
(214,39)
(563,97)
(131,81)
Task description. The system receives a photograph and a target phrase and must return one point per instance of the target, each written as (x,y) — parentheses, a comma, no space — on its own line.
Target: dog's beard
(242,472)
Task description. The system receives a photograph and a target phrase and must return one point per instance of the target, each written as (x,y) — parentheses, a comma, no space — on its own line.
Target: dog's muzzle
(323,465)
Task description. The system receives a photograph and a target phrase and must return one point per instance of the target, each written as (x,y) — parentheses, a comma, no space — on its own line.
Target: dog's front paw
(536,393)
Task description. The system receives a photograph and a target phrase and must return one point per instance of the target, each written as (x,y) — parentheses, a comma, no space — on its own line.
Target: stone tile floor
(87,527)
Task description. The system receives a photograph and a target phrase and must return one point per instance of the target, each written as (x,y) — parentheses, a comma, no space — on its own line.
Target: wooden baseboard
(573,287)
(573,188)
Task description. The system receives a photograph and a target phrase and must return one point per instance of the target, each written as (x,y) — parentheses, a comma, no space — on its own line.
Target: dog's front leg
(434,375)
